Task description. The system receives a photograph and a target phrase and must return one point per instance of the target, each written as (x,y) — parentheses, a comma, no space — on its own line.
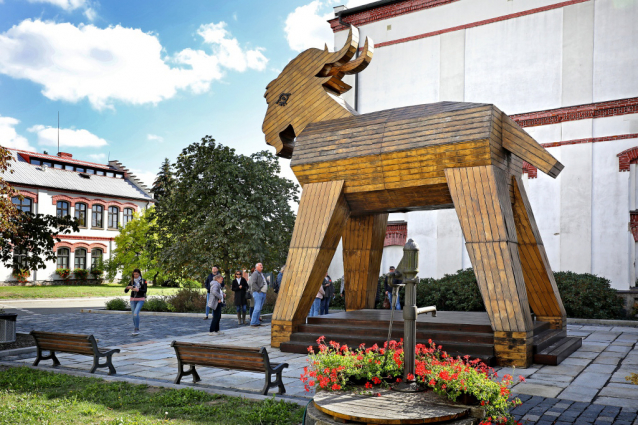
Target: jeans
(315,308)
(241,308)
(398,307)
(217,315)
(325,305)
(136,307)
(207,307)
(259,298)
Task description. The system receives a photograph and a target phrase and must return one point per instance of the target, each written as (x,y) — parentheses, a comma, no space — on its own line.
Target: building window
(396,233)
(110,174)
(62,209)
(114,213)
(80,214)
(80,258)
(35,162)
(96,257)
(128,216)
(99,173)
(68,167)
(19,255)
(57,166)
(25,205)
(63,258)
(97,216)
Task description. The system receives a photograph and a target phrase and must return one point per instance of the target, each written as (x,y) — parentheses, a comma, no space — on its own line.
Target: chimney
(65,155)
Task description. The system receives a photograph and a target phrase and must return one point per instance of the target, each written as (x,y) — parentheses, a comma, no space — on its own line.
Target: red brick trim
(28,194)
(75,245)
(626,158)
(72,192)
(396,234)
(384,12)
(532,172)
(56,198)
(91,202)
(84,238)
(98,245)
(472,24)
(590,140)
(62,244)
(633,224)
(579,112)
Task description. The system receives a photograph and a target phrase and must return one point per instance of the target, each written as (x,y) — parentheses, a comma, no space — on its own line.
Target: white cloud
(97,156)
(155,138)
(64,4)
(48,136)
(9,137)
(105,65)
(90,14)
(307,25)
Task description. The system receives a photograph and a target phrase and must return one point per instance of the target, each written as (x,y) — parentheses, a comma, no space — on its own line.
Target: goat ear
(325,47)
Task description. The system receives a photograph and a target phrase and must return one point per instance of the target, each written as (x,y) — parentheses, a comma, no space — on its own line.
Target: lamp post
(408,269)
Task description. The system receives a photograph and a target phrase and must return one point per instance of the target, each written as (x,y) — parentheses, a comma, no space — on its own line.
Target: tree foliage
(136,248)
(8,211)
(224,208)
(29,244)
(164,181)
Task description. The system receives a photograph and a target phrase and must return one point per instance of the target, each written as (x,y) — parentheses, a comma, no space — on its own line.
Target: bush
(453,292)
(118,304)
(187,300)
(64,273)
(157,304)
(588,296)
(81,274)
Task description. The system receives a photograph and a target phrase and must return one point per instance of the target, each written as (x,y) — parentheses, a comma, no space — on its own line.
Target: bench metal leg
(109,364)
(267,385)
(51,356)
(181,373)
(278,383)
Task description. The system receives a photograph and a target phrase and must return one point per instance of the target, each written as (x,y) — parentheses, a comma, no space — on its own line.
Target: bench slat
(67,349)
(250,354)
(218,347)
(60,335)
(222,356)
(227,364)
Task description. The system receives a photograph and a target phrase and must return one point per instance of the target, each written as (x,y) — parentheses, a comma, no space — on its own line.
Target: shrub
(453,292)
(188,300)
(21,275)
(117,304)
(64,273)
(157,304)
(81,274)
(588,296)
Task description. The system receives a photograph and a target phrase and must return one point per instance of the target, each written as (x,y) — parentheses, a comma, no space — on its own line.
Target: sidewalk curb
(17,351)
(603,322)
(156,383)
(159,313)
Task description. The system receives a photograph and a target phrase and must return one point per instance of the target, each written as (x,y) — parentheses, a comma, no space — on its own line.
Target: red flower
(335,387)
(432,382)
(378,394)
(521,378)
(410,377)
(368,385)
(311,350)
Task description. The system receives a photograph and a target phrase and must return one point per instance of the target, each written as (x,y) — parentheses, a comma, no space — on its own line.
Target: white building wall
(566,56)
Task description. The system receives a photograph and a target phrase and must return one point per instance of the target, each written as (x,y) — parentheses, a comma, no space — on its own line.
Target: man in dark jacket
(329,290)
(209,280)
(388,289)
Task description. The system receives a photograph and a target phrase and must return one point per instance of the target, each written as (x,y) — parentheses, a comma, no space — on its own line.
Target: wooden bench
(230,357)
(71,343)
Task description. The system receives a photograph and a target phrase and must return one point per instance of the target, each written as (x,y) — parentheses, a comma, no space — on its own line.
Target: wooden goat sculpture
(355,169)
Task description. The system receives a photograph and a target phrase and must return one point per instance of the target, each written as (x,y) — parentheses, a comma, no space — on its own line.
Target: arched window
(62,209)
(26,204)
(96,257)
(80,214)
(80,258)
(97,216)
(114,213)
(128,216)
(63,258)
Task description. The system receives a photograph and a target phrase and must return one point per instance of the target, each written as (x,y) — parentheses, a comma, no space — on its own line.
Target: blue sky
(140,80)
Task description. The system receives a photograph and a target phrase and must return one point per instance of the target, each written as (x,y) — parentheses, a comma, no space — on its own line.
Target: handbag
(386,303)
(249,295)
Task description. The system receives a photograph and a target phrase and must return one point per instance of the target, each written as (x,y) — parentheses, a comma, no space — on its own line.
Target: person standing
(215,303)
(239,287)
(258,287)
(388,288)
(280,277)
(329,291)
(207,283)
(315,308)
(138,296)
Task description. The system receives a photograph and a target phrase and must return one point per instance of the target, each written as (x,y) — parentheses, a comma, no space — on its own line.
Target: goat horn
(357,65)
(348,50)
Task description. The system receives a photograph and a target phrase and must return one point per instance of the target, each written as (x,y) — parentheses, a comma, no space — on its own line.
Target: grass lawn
(38,397)
(104,290)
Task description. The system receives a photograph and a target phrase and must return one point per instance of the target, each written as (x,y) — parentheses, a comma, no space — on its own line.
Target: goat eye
(283,99)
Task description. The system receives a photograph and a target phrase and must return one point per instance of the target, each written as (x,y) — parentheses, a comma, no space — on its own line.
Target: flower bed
(337,367)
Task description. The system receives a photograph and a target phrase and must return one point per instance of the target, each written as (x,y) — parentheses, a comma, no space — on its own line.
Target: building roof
(28,174)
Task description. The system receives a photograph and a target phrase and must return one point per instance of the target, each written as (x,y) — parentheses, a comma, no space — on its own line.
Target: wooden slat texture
(321,218)
(481,199)
(363,240)
(542,291)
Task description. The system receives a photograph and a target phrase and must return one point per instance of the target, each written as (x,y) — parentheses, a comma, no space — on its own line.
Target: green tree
(29,244)
(226,209)
(8,211)
(136,246)
(163,182)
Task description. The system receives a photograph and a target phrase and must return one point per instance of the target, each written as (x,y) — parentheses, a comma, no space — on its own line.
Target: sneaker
(206,318)
(135,333)
(255,326)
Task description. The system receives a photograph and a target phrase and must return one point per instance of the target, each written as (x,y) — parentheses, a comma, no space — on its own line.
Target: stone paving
(588,387)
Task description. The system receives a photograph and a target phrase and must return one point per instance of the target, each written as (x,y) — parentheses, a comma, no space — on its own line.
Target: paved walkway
(588,387)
